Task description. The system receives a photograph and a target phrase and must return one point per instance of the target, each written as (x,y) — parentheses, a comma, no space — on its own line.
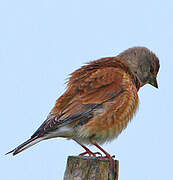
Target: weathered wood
(90,168)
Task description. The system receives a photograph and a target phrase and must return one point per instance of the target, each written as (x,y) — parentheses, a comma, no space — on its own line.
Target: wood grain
(90,168)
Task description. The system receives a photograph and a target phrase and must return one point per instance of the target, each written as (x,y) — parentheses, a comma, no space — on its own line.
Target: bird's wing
(83,96)
(91,89)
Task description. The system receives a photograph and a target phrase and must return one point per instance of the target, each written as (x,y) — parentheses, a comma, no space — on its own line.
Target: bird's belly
(108,133)
(103,134)
(110,124)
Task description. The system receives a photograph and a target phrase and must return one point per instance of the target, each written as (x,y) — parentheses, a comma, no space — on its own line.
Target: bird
(100,100)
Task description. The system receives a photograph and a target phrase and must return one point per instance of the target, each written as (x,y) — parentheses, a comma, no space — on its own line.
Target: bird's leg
(108,156)
(106,153)
(87,151)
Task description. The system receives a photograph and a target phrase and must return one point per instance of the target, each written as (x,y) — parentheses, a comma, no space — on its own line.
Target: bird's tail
(30,142)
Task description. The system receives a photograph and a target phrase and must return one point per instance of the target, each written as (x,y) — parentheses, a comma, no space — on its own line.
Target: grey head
(143,63)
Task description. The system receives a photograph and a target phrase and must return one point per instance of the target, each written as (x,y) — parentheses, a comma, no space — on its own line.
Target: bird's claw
(113,156)
(94,154)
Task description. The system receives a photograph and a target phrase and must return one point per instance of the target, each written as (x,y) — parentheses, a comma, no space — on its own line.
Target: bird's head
(143,63)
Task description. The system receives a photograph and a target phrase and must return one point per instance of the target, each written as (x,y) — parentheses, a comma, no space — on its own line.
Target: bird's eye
(151,69)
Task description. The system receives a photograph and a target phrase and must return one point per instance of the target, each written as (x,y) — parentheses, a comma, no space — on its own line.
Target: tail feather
(25,145)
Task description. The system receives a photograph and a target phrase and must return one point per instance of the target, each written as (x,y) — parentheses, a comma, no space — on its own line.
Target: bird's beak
(153,82)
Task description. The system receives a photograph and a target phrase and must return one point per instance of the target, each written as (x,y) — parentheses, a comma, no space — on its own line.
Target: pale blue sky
(42,41)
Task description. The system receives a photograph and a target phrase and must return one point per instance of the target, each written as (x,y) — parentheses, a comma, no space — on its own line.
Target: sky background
(43,41)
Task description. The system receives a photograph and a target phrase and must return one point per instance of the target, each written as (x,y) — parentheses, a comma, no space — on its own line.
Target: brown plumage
(101,98)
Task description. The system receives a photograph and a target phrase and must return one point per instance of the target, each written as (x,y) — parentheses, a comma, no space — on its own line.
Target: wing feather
(86,93)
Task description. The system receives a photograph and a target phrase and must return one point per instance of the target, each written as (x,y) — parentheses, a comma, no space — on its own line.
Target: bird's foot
(90,153)
(106,157)
(111,160)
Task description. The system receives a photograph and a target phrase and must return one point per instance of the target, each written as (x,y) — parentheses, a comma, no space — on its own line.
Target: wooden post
(90,168)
